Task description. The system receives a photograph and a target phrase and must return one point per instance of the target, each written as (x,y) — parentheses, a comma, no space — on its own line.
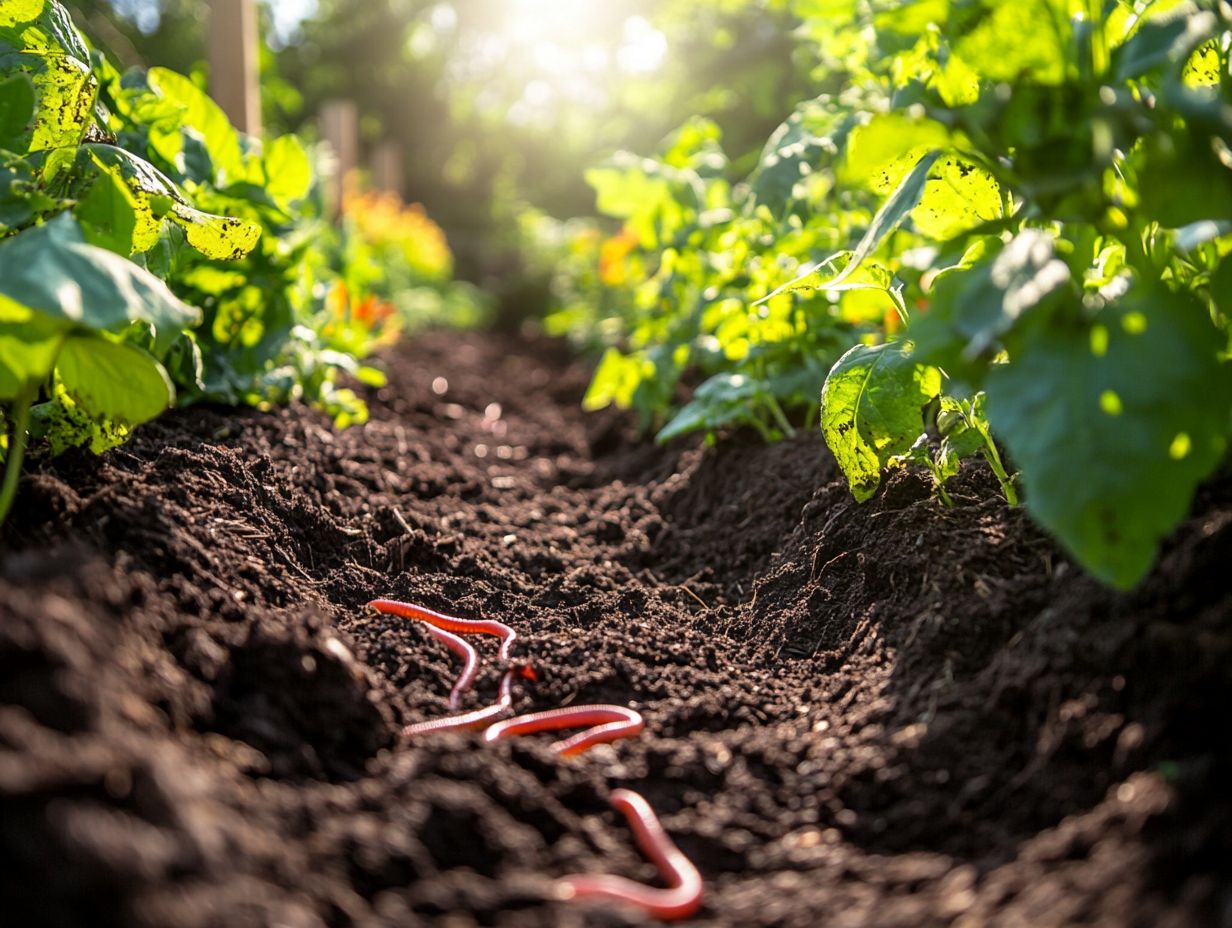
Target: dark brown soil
(883,715)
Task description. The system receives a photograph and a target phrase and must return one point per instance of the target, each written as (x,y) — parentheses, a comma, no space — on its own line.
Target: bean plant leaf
(972,308)
(872,410)
(1165,40)
(16,110)
(54,272)
(222,238)
(724,399)
(1114,424)
(114,380)
(29,343)
(893,212)
(288,172)
(810,138)
(207,119)
(881,153)
(958,197)
(109,215)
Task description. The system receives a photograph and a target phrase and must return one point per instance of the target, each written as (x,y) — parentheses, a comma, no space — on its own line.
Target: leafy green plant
(152,255)
(1012,227)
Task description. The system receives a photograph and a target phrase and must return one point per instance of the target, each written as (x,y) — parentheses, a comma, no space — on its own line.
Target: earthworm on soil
(607,723)
(471,719)
(470,662)
(683,896)
(449,623)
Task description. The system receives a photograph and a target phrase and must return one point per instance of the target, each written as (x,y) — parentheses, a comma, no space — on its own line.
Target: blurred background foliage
(499,103)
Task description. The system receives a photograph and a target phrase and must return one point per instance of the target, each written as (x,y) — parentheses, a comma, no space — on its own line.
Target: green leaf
(108,214)
(1166,40)
(893,212)
(723,400)
(288,172)
(42,26)
(872,410)
(51,270)
(61,423)
(1114,424)
(957,198)
(803,145)
(616,380)
(29,343)
(20,11)
(222,238)
(1022,39)
(114,380)
(972,308)
(886,149)
(64,91)
(204,116)
(16,110)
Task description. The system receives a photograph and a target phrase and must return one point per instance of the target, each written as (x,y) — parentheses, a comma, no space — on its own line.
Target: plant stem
(17,447)
(994,461)
(779,416)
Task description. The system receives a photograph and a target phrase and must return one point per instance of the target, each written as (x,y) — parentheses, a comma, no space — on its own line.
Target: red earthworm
(471,719)
(470,659)
(609,723)
(450,623)
(683,896)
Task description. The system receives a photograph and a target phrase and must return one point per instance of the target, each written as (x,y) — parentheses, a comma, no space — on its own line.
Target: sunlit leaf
(114,380)
(1113,442)
(872,410)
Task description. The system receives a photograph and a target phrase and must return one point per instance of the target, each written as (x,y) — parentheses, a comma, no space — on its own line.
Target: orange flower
(613,269)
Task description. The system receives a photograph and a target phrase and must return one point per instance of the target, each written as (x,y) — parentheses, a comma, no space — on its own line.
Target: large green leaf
(41,26)
(1113,424)
(204,116)
(53,271)
(872,410)
(29,343)
(958,197)
(801,146)
(972,308)
(64,91)
(16,110)
(888,218)
(223,238)
(288,172)
(114,380)
(13,12)
(886,149)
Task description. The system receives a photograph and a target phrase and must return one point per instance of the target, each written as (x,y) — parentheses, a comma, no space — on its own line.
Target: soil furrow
(894,714)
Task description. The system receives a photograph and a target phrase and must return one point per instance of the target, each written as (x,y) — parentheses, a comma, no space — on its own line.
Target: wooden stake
(234,62)
(340,130)
(387,167)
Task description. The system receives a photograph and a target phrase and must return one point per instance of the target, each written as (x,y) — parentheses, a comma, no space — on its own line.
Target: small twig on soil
(699,600)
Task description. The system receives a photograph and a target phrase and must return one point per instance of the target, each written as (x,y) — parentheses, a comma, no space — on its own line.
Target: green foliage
(1013,224)
(150,254)
(872,410)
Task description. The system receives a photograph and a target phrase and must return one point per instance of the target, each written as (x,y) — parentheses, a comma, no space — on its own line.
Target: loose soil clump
(894,714)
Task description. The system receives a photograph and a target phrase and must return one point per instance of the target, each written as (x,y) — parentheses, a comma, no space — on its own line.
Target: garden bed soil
(893,714)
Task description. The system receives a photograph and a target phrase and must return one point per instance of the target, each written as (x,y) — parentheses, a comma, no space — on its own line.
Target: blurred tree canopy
(501,101)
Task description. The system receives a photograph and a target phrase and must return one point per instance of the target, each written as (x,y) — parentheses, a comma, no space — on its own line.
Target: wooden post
(387,168)
(340,130)
(234,62)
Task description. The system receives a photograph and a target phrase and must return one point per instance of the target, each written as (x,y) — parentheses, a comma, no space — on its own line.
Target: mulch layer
(890,714)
